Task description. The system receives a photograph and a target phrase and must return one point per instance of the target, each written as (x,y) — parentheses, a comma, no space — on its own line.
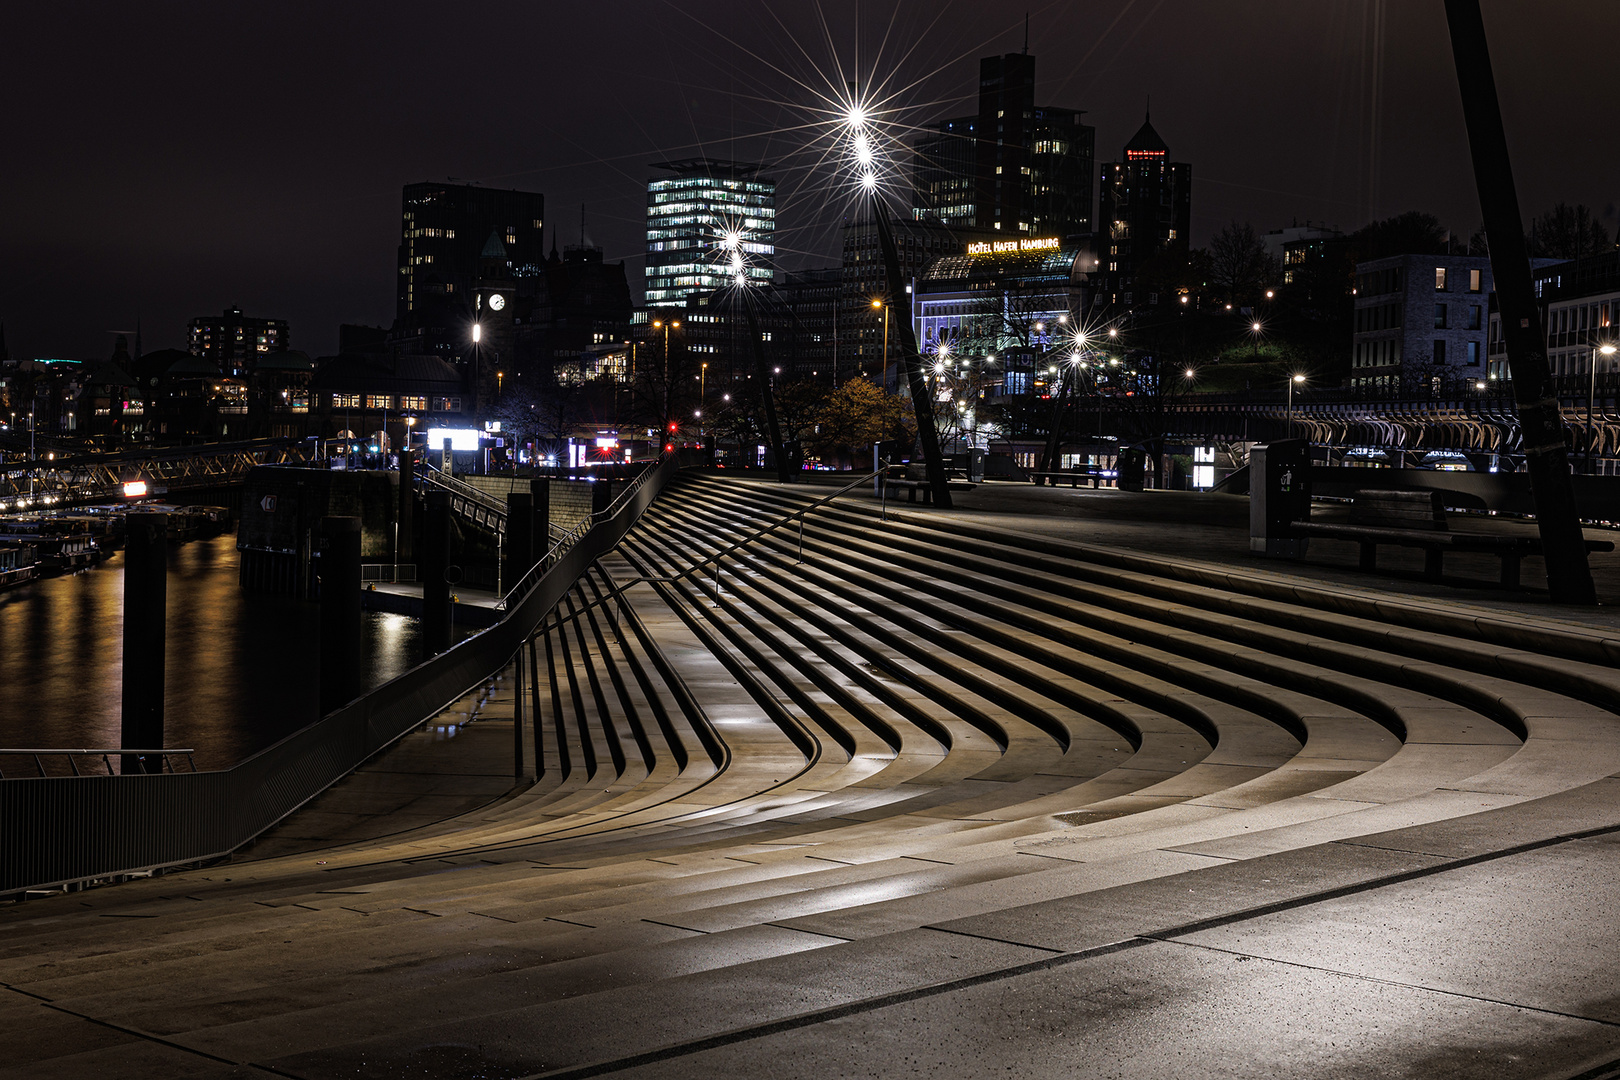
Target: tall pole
(885,347)
(767,383)
(146,563)
(911,362)
(1569,577)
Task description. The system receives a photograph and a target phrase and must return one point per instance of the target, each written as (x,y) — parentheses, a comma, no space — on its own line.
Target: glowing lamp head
(855,117)
(1113,331)
(877,303)
(732,240)
(1255,327)
(869,182)
(1299,378)
(1190,373)
(134,489)
(1607,350)
(478,333)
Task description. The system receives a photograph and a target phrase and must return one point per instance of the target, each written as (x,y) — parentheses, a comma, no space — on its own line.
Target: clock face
(496,302)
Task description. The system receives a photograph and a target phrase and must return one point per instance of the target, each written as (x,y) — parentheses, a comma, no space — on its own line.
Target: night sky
(168,160)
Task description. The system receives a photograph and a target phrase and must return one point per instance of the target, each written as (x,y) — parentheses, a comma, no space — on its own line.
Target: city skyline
(164,168)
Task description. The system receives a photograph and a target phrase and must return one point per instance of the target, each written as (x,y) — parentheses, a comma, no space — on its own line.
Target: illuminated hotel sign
(1012,247)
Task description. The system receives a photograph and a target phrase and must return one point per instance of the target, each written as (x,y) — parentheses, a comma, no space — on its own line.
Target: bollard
(540,536)
(519,545)
(435,561)
(146,569)
(405,544)
(338,542)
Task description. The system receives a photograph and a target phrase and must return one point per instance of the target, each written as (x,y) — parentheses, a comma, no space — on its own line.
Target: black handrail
(619,586)
(56,830)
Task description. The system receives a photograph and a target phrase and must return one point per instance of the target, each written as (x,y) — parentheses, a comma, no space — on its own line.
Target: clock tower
(493,353)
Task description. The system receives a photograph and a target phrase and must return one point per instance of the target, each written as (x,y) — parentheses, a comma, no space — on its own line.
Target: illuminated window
(345,401)
(378,401)
(409,401)
(1439,279)
(1474,280)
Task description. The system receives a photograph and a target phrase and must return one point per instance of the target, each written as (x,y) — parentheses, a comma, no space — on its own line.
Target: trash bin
(1132,468)
(1279,495)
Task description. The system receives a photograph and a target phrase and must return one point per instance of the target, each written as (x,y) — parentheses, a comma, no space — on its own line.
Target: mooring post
(405,542)
(339,549)
(519,546)
(540,493)
(146,572)
(435,562)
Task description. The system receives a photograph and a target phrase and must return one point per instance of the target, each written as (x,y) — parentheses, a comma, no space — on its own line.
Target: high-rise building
(707,224)
(231,340)
(864,288)
(444,230)
(1014,167)
(1145,211)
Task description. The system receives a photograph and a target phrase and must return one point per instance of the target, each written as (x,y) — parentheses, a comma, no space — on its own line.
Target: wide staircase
(833,773)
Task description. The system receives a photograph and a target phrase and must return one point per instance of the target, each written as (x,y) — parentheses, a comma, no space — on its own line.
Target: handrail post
(518,771)
(801,536)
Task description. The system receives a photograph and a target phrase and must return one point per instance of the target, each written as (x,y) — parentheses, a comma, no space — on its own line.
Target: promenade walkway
(1055,784)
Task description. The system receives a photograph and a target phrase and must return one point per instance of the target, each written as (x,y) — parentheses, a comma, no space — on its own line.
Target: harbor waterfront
(238,673)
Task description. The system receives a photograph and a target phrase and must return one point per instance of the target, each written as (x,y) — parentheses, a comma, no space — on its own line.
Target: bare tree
(1239,264)
(1567,232)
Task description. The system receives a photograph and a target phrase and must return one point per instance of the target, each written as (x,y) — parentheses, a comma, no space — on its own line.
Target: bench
(1073,476)
(915,482)
(1417,519)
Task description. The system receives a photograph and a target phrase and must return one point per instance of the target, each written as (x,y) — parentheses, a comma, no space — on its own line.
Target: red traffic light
(673,427)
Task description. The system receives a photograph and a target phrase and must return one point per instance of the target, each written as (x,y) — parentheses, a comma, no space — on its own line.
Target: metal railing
(562,542)
(392,573)
(72,758)
(60,830)
(618,586)
(466,501)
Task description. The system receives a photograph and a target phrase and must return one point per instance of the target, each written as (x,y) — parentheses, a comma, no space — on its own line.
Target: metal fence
(58,830)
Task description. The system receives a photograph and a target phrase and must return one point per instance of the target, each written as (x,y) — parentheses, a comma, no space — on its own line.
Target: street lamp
(703,392)
(1254,329)
(1606,349)
(1291,382)
(876,303)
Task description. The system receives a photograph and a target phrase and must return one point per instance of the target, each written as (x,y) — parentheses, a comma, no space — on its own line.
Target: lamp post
(1254,330)
(884,363)
(1291,382)
(1606,349)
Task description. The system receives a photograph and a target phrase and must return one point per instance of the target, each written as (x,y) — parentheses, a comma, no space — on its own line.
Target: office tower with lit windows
(1014,167)
(707,223)
(232,340)
(444,230)
(1145,212)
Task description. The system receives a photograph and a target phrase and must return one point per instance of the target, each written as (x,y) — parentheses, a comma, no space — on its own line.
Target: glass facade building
(708,223)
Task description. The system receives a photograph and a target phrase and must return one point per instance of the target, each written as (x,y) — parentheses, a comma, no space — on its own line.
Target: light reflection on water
(240,671)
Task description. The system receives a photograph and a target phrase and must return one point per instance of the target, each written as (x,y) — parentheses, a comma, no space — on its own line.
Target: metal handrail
(619,586)
(57,830)
(105,756)
(569,538)
(434,475)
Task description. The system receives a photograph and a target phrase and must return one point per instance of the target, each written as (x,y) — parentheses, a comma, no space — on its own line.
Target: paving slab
(1167,1010)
